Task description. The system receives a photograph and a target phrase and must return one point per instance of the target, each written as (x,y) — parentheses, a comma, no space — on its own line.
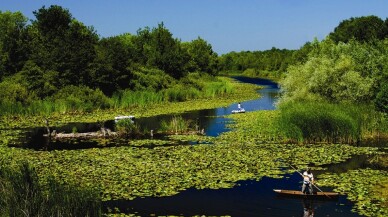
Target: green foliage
(366,187)
(320,122)
(127,127)
(63,44)
(274,60)
(157,48)
(23,194)
(336,73)
(13,91)
(150,79)
(81,98)
(381,101)
(12,53)
(363,29)
(202,56)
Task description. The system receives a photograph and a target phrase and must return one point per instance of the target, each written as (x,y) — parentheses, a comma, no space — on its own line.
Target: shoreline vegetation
(238,91)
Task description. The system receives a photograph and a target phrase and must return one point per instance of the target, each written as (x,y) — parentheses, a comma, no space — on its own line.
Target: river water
(248,198)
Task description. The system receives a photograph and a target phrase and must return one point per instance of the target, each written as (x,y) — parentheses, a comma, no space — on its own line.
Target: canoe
(131,117)
(238,111)
(321,195)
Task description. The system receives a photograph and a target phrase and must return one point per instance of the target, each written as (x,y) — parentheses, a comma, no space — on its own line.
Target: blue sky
(228,25)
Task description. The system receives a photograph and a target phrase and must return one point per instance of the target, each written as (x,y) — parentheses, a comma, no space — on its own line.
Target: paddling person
(239,106)
(308,180)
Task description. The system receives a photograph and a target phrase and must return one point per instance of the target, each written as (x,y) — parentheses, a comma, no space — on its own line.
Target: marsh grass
(176,125)
(321,122)
(23,194)
(75,99)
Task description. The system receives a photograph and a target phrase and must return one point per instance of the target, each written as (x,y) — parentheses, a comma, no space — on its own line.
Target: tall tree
(362,29)
(12,54)
(158,49)
(202,57)
(62,44)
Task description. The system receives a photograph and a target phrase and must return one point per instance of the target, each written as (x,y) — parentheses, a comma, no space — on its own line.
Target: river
(248,198)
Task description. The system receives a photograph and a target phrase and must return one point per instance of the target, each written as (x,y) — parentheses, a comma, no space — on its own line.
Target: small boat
(238,111)
(122,117)
(319,194)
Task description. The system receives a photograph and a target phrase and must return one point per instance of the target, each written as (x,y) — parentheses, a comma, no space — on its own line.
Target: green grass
(23,194)
(314,122)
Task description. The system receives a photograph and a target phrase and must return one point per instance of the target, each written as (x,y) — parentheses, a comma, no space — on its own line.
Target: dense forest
(56,58)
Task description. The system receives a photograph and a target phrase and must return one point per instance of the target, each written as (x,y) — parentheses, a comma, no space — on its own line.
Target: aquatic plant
(23,194)
(176,125)
(367,188)
(314,122)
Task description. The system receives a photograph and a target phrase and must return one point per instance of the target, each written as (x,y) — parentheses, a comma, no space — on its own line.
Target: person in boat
(308,180)
(239,106)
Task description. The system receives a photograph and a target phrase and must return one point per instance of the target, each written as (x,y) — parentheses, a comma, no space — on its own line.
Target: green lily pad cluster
(366,187)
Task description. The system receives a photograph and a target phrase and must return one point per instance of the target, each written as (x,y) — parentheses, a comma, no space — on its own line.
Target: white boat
(242,110)
(122,117)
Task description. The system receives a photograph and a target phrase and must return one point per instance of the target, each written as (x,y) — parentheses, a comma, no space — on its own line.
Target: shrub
(127,127)
(81,98)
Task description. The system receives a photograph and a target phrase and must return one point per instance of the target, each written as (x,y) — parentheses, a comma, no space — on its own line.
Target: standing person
(308,180)
(239,106)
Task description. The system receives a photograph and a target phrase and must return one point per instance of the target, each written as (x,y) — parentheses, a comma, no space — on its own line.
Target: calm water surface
(247,198)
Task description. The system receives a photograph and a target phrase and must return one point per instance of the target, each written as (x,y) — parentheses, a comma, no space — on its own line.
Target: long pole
(311,183)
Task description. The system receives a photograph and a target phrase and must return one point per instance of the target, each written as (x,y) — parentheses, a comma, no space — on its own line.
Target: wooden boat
(319,194)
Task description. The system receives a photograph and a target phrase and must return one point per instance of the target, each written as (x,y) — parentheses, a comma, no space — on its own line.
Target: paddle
(311,183)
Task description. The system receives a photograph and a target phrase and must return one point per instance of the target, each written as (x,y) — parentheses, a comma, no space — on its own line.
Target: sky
(228,25)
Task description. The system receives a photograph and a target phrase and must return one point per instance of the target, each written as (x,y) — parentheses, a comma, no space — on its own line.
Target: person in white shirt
(308,180)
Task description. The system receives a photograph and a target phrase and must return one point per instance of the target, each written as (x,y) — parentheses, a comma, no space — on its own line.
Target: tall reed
(176,125)
(312,122)
(23,194)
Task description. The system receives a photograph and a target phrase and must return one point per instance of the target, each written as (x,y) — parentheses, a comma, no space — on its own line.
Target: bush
(127,127)
(81,98)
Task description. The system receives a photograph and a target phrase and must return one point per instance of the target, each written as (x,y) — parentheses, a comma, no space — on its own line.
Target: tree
(112,67)
(381,101)
(335,73)
(362,29)
(158,49)
(12,52)
(63,44)
(202,57)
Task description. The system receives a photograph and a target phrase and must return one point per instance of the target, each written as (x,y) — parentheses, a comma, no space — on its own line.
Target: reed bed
(86,100)
(23,194)
(312,122)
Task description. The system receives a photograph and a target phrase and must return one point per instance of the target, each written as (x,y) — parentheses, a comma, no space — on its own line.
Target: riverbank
(241,92)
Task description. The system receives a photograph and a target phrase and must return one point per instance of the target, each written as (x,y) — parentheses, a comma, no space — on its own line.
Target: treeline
(275,62)
(57,57)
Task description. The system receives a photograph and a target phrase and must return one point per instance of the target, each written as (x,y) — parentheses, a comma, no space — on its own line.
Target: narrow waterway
(248,198)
